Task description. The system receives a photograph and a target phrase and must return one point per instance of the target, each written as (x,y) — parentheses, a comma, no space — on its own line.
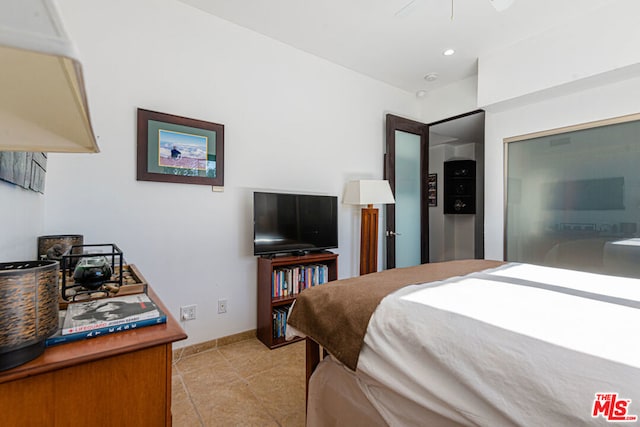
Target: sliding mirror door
(573,197)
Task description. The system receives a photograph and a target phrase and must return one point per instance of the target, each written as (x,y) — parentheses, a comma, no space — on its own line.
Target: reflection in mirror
(573,199)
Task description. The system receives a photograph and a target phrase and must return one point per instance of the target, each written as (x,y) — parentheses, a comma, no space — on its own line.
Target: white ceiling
(399,41)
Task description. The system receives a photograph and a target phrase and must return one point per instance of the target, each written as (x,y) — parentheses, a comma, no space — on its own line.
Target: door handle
(393,233)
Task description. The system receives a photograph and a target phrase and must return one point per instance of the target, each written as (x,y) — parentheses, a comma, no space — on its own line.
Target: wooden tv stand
(267,302)
(121,379)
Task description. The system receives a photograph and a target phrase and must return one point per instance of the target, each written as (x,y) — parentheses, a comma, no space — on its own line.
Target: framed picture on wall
(432,189)
(178,149)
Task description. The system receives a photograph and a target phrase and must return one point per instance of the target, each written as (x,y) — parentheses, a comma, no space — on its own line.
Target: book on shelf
(289,281)
(280,321)
(87,316)
(58,338)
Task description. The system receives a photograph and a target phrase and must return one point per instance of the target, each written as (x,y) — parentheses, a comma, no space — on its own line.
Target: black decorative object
(29,310)
(95,275)
(460,187)
(92,272)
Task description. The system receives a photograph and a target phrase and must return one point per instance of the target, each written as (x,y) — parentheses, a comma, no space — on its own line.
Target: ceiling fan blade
(501,5)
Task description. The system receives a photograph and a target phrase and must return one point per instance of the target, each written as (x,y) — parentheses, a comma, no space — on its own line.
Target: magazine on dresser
(58,338)
(102,313)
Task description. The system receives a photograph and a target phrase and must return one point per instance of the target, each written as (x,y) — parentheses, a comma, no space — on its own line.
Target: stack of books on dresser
(89,319)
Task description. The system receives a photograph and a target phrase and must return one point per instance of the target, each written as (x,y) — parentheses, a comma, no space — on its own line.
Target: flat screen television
(294,223)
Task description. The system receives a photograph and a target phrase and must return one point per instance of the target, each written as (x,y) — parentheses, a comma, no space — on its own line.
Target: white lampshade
(368,192)
(43,106)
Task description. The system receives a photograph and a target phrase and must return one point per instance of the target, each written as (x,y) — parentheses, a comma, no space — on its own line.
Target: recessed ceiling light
(431,77)
(448,52)
(421,93)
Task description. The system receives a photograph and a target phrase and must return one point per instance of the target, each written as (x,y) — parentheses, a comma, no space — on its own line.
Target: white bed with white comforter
(519,345)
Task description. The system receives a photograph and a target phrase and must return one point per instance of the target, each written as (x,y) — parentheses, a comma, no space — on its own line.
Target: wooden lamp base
(369,240)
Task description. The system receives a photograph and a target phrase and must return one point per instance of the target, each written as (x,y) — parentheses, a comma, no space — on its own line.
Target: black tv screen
(294,223)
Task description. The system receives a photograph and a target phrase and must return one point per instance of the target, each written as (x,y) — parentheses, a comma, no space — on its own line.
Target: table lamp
(368,192)
(43,107)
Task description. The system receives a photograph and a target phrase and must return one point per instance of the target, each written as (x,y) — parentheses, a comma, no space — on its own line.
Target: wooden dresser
(121,379)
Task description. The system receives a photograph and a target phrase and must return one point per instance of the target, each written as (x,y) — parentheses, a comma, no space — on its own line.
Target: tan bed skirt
(336,398)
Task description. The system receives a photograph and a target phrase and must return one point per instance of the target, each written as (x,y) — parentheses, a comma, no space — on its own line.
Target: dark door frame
(394,123)
(479,244)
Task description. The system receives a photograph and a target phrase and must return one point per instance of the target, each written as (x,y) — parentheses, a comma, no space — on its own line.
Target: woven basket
(64,240)
(28,309)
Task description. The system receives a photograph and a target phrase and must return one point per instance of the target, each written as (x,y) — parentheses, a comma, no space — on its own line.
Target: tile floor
(240,384)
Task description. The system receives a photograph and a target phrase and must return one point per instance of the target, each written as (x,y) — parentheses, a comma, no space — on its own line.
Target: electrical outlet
(188,312)
(222,306)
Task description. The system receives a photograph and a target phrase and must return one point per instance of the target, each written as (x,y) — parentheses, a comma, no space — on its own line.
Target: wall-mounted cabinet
(460,187)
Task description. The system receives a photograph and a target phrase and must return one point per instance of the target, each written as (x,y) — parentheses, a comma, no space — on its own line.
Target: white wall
(598,46)
(438,228)
(449,101)
(21,222)
(464,226)
(293,122)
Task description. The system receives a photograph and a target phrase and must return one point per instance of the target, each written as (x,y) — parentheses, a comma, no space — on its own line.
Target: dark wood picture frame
(179,149)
